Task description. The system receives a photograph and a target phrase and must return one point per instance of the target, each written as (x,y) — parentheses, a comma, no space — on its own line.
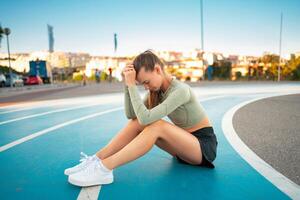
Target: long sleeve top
(178,102)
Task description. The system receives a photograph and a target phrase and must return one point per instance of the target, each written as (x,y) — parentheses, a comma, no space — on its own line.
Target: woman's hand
(129,75)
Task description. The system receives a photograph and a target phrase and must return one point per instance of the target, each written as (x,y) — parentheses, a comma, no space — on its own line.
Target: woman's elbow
(130,115)
(143,122)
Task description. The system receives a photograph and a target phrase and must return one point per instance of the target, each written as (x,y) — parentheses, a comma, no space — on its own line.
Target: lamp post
(6,32)
(202,28)
(280,40)
(204,67)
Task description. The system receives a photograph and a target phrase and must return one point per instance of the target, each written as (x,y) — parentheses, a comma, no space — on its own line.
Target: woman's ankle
(100,155)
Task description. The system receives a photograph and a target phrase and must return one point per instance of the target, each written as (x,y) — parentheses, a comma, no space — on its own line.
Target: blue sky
(231,26)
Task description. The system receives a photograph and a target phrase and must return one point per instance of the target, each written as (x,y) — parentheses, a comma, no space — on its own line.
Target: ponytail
(153,99)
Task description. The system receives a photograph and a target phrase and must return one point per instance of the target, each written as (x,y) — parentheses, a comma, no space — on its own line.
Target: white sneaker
(84,162)
(94,174)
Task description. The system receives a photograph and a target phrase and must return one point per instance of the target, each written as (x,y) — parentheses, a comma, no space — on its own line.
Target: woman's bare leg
(126,135)
(179,141)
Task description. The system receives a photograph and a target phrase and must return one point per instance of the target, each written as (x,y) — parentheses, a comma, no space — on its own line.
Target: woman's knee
(136,125)
(157,126)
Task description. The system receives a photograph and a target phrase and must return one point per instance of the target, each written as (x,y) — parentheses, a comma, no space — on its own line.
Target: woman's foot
(84,162)
(94,174)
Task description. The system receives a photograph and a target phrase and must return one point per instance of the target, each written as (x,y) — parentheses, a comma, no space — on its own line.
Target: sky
(245,27)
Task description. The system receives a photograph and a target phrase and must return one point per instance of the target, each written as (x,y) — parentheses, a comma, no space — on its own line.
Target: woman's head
(149,70)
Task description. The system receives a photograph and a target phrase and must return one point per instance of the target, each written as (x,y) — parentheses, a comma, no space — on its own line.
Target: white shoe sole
(70,173)
(92,183)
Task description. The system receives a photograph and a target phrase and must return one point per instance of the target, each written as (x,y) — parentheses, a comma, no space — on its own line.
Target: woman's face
(152,80)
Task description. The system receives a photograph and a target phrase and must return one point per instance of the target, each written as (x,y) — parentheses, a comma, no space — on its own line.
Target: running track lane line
(55,102)
(49,112)
(276,178)
(42,132)
(89,193)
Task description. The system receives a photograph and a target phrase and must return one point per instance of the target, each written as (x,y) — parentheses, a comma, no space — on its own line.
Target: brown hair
(148,60)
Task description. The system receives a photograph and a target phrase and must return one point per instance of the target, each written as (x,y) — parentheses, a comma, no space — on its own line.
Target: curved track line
(276,178)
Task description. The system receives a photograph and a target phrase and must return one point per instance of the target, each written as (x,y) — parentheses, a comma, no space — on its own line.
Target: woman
(190,138)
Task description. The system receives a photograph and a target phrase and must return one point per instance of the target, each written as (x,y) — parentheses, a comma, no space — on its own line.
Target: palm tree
(6,31)
(1,34)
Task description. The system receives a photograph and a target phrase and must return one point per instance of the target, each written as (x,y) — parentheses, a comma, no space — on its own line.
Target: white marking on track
(65,101)
(47,113)
(276,178)
(42,132)
(89,193)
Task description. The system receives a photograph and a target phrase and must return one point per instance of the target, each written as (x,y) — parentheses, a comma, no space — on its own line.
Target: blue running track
(33,169)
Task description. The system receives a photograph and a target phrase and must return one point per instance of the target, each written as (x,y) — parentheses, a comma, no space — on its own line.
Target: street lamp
(202,28)
(6,32)
(280,40)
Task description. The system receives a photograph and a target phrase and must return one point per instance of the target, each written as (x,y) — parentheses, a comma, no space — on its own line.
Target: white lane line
(42,132)
(276,178)
(49,112)
(62,102)
(28,106)
(40,105)
(212,98)
(16,110)
(89,193)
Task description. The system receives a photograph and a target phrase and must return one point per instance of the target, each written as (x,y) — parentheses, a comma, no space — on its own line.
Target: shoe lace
(91,168)
(83,157)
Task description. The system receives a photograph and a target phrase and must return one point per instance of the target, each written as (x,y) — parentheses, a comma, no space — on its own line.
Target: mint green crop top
(178,102)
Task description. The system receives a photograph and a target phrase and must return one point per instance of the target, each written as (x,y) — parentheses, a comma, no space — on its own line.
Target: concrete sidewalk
(49,92)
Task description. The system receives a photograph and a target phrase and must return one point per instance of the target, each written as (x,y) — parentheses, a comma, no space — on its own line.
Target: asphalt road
(271,128)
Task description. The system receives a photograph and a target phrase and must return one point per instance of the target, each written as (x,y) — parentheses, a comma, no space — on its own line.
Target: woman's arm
(127,104)
(129,76)
(129,111)
(175,99)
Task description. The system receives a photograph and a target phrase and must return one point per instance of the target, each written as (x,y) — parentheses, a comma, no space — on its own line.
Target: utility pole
(204,67)
(51,49)
(202,31)
(280,39)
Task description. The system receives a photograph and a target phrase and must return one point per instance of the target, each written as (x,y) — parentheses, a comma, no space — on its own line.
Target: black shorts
(208,143)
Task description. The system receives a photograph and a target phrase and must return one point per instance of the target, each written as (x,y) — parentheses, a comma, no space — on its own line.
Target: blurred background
(89,42)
